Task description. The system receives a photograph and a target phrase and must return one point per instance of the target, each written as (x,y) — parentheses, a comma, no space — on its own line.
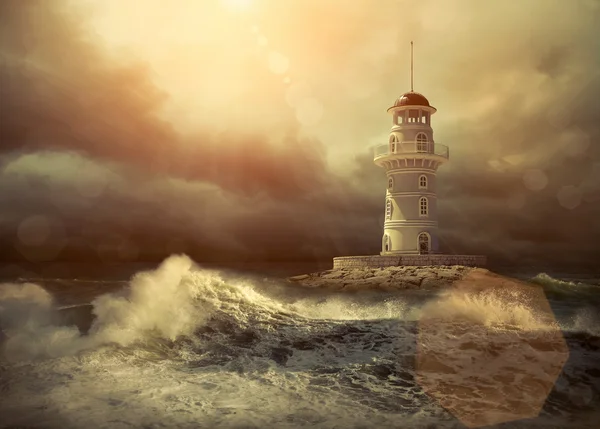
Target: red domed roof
(412,99)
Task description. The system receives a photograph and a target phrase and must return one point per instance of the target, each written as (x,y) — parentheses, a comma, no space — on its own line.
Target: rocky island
(408,278)
(389,278)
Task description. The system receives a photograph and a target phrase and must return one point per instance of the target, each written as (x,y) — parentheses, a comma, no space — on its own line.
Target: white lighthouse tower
(411,159)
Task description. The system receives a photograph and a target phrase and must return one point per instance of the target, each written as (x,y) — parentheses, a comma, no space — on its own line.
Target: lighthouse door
(424,245)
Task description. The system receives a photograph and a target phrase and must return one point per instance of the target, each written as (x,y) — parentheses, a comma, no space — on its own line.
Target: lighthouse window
(423,206)
(390,183)
(423,182)
(421,142)
(388,209)
(413,115)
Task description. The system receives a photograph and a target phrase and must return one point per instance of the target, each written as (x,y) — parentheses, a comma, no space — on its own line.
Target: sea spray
(488,308)
(27,315)
(586,320)
(178,297)
(161,302)
(183,346)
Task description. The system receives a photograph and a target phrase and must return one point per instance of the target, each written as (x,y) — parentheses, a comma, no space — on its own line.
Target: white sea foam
(162,302)
(489,308)
(178,297)
(169,302)
(349,357)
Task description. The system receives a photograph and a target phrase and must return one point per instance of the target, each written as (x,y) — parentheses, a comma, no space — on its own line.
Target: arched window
(388,209)
(393,141)
(422,181)
(390,183)
(421,142)
(424,243)
(423,206)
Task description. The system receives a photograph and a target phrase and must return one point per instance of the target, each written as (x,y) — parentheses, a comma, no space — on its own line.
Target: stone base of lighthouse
(382,261)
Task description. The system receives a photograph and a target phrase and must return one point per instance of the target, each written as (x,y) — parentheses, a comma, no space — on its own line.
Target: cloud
(57,77)
(132,154)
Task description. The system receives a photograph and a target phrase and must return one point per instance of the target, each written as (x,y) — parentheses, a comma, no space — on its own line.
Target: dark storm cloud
(555,222)
(60,94)
(147,219)
(513,97)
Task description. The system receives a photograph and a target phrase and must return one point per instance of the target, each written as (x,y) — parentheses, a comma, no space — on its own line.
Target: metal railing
(412,148)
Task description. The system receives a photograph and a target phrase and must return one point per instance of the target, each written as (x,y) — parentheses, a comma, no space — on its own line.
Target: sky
(243,130)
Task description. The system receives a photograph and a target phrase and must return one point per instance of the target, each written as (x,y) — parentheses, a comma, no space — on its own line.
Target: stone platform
(380,261)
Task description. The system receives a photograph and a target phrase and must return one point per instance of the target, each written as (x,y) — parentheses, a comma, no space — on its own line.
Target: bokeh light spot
(278,63)
(575,142)
(481,385)
(569,197)
(535,180)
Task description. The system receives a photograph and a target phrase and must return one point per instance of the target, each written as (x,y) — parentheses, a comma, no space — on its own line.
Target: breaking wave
(564,286)
(178,298)
(192,340)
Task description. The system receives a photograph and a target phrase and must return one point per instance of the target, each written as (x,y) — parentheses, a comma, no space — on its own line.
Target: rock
(381,273)
(432,282)
(333,275)
(356,275)
(413,280)
(387,278)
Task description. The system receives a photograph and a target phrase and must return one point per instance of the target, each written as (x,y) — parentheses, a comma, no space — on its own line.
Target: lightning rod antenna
(411,66)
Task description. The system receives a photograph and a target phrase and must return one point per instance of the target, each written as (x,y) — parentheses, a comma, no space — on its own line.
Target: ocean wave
(194,340)
(564,286)
(178,298)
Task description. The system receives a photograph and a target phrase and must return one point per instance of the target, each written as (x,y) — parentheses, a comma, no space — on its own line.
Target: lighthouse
(411,158)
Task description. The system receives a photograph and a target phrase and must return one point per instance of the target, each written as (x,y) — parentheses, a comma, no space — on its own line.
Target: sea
(180,345)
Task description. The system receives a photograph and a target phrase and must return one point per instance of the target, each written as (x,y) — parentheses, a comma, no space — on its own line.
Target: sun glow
(210,58)
(237,4)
